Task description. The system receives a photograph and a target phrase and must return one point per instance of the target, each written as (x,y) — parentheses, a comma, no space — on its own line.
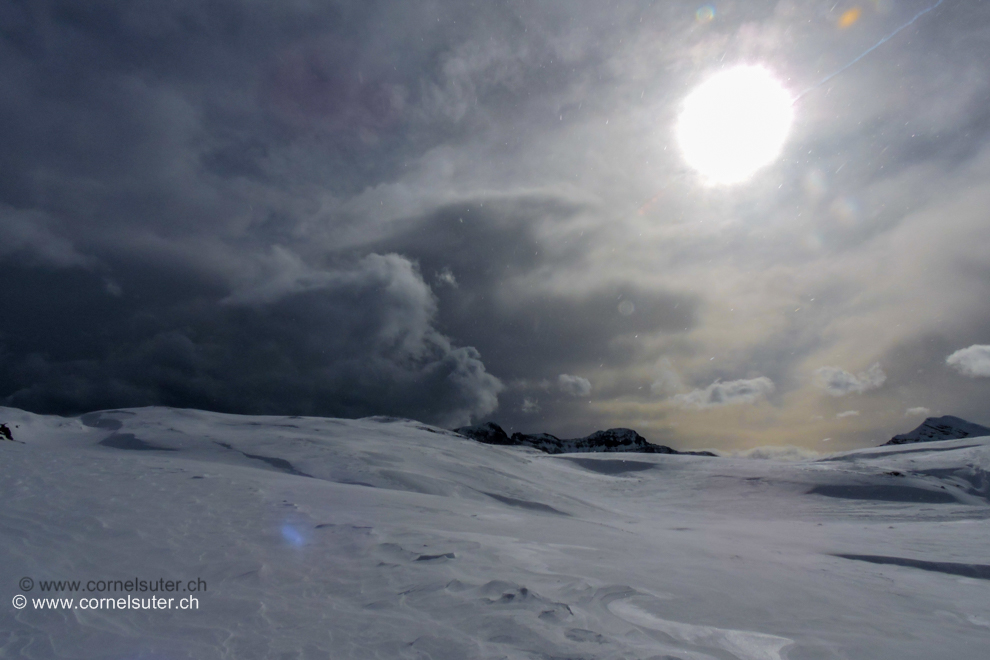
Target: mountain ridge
(609,440)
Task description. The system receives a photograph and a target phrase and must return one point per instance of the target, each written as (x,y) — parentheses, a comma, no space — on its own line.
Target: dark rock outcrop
(934,429)
(612,440)
(489,433)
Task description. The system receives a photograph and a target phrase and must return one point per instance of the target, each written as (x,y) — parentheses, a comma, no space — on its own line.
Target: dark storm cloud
(152,156)
(347,342)
(30,235)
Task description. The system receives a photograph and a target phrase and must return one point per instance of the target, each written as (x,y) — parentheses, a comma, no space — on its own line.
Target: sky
(460,212)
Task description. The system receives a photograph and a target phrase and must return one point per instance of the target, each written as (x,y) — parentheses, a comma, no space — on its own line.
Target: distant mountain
(612,440)
(940,428)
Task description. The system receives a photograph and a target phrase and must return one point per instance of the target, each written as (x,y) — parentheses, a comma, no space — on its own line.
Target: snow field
(385,538)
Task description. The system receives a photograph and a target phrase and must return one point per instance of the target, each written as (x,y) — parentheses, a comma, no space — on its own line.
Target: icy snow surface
(382,538)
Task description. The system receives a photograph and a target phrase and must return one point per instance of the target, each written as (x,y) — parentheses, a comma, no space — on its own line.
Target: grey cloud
(492,247)
(918,410)
(973,361)
(838,382)
(847,413)
(473,70)
(734,392)
(282,273)
(529,406)
(574,385)
(28,234)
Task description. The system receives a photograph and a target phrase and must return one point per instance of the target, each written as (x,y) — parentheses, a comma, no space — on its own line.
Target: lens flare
(293,536)
(705,13)
(846,210)
(849,17)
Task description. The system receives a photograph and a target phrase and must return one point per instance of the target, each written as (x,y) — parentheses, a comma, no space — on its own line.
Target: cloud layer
(735,392)
(838,382)
(352,208)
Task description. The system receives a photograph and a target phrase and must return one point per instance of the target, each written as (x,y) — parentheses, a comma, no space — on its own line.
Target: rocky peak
(610,440)
(934,429)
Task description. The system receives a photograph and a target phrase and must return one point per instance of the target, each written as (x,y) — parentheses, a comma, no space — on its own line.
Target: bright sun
(734,123)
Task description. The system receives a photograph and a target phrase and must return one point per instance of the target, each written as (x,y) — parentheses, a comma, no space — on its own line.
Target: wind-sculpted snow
(739,643)
(386,538)
(978,571)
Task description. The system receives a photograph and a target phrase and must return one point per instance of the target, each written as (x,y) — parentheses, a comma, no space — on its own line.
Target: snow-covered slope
(379,538)
(946,427)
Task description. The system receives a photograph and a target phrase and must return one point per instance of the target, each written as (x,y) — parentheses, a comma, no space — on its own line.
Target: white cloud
(973,361)
(848,413)
(838,382)
(574,385)
(446,278)
(530,405)
(920,410)
(734,392)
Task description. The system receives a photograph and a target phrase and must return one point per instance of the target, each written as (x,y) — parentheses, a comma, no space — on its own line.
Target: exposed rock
(934,429)
(611,440)
(489,433)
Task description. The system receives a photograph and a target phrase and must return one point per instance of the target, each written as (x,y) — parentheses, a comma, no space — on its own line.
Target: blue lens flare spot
(292,536)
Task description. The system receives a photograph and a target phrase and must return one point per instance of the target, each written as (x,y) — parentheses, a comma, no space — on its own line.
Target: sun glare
(734,123)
